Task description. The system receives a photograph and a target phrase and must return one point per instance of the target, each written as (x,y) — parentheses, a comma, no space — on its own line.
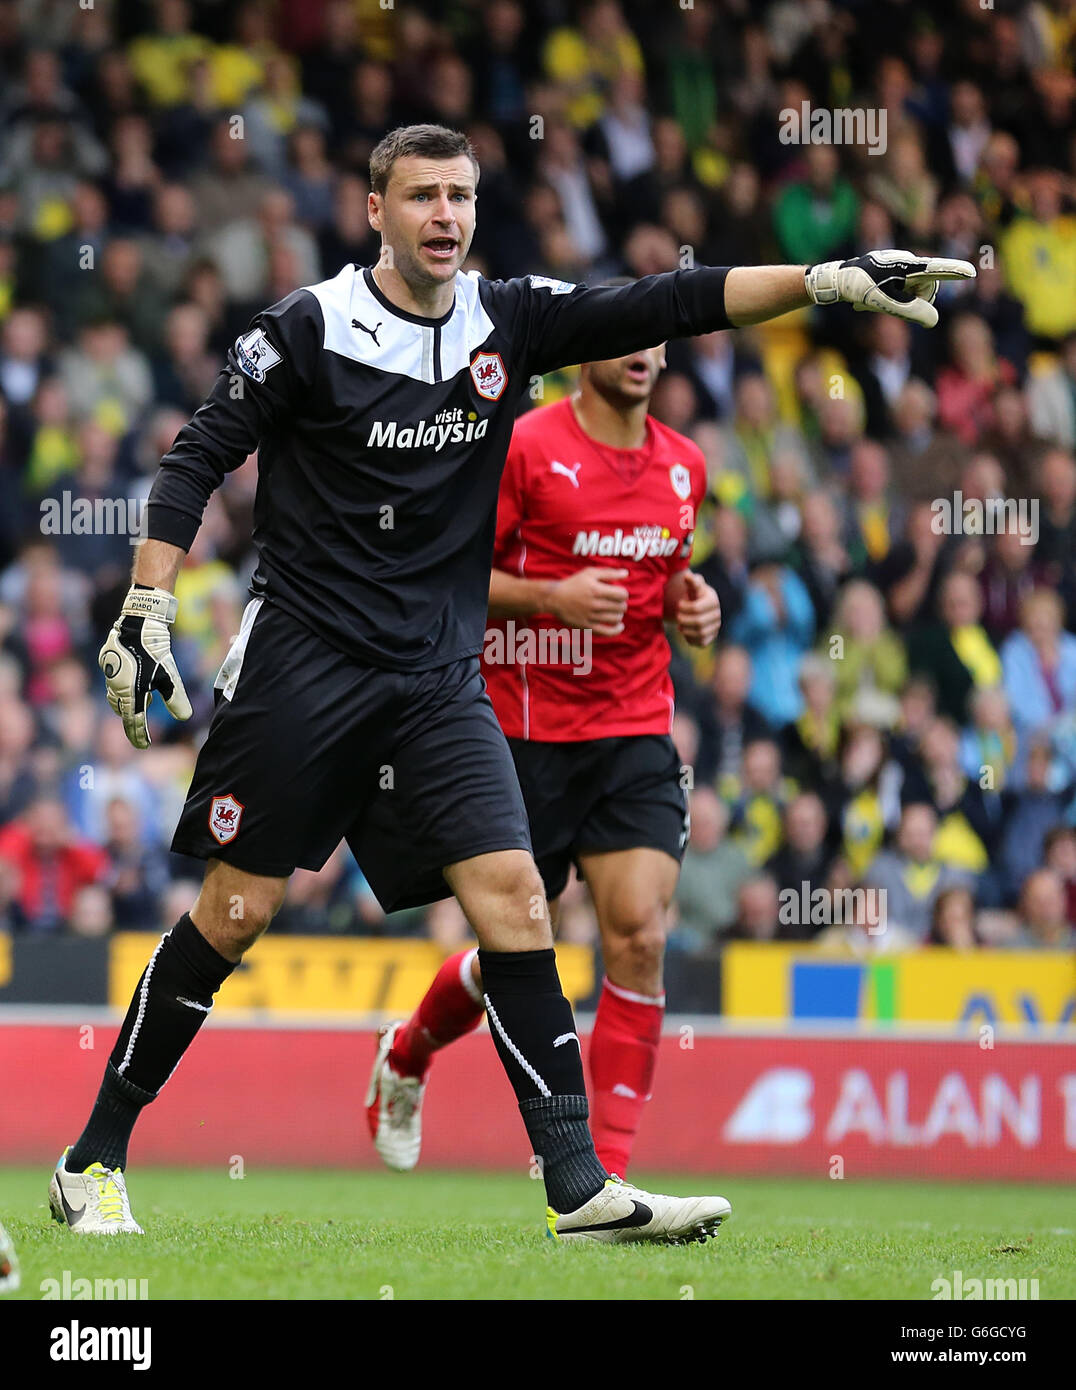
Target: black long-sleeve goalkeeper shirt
(381,438)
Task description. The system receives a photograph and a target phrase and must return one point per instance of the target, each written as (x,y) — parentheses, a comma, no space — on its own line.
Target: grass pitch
(346,1235)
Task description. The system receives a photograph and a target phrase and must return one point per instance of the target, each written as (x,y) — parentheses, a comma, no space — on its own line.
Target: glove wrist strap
(144,602)
(821,282)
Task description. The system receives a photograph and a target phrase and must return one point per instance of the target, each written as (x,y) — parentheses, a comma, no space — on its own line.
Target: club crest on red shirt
(680,477)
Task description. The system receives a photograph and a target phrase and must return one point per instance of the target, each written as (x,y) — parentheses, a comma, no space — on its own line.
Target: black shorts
(599,795)
(308,747)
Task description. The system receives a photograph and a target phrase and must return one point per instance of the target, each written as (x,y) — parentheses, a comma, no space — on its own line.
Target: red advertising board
(726,1103)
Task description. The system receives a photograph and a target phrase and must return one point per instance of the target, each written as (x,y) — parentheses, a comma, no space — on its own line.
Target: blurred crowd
(892,703)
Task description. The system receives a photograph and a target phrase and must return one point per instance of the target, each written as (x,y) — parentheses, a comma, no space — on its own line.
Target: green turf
(320,1234)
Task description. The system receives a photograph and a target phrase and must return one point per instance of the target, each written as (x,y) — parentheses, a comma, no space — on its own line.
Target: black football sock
(534,1031)
(170,1004)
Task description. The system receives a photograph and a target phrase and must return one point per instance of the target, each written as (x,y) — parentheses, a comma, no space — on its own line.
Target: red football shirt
(567,503)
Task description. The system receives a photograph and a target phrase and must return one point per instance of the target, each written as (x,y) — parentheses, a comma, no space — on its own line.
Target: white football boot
(621,1212)
(93,1203)
(394,1108)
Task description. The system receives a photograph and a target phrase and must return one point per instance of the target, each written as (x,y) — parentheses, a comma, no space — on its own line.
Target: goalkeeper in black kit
(351,705)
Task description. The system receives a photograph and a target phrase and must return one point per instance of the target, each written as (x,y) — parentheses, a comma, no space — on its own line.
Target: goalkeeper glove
(887,282)
(137,660)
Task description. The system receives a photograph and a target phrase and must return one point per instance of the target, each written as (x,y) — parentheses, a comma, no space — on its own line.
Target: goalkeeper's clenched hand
(137,660)
(887,282)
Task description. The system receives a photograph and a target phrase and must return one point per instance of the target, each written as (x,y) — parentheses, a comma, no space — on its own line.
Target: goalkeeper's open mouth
(441,248)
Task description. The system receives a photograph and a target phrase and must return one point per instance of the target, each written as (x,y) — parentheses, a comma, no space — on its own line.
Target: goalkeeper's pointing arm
(886,282)
(572,323)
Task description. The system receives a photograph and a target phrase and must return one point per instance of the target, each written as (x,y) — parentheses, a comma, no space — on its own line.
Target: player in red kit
(595,522)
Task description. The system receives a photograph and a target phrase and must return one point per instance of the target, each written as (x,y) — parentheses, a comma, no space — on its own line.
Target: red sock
(450,1007)
(623,1058)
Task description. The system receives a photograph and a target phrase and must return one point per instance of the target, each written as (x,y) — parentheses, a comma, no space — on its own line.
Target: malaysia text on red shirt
(566,503)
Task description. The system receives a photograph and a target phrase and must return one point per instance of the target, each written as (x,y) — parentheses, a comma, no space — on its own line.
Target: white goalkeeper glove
(887,282)
(137,660)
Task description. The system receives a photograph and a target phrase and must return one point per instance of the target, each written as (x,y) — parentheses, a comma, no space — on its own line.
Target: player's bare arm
(694,607)
(157,565)
(591,598)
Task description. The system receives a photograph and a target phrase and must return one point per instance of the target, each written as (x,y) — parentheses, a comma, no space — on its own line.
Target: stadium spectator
(753,436)
(23,358)
(1051,398)
(952,921)
(276,113)
(866,654)
(18,783)
(51,863)
(727,723)
(968,389)
(872,515)
(989,749)
(927,461)
(69,721)
(820,557)
(812,742)
(1059,854)
(955,652)
(804,858)
(105,376)
(91,912)
(1008,573)
(139,872)
(905,187)
(857,801)
(969,818)
(1004,316)
(757,817)
(911,875)
(1034,811)
(757,909)
(912,571)
(329,64)
(229,186)
(726,568)
(1043,923)
(585,62)
(185,370)
(1038,252)
(243,249)
(1056,549)
(1039,664)
(816,218)
(967,133)
(712,872)
(113,773)
(170,243)
(775,625)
